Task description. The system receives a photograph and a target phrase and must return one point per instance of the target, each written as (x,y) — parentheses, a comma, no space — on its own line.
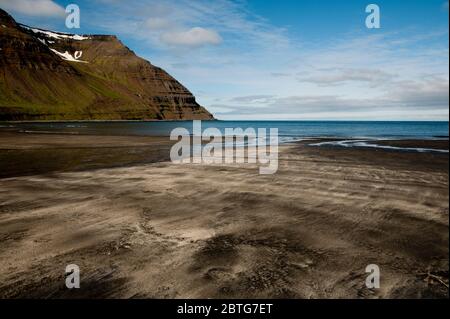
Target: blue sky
(285,59)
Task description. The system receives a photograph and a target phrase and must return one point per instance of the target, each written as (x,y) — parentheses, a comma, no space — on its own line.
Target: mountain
(46,75)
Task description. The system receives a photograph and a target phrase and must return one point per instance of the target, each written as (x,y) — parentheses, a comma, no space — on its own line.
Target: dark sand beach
(139,226)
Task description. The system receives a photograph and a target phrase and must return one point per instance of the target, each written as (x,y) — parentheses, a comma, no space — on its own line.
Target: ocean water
(287,130)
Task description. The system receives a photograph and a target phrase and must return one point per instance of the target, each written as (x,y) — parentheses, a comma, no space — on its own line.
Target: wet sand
(141,227)
(30,154)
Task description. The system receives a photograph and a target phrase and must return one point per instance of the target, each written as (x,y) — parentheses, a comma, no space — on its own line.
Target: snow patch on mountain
(58,35)
(67,56)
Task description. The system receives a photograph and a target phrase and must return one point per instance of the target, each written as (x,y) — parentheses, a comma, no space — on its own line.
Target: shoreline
(352,121)
(413,145)
(29,153)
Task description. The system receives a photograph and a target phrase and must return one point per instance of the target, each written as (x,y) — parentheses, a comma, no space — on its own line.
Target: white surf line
(363,143)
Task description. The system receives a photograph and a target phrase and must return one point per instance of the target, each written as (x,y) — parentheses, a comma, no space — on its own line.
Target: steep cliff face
(46,75)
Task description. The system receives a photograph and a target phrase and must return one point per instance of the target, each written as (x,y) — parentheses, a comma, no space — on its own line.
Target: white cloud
(157,23)
(39,8)
(162,24)
(193,37)
(339,76)
(263,71)
(426,98)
